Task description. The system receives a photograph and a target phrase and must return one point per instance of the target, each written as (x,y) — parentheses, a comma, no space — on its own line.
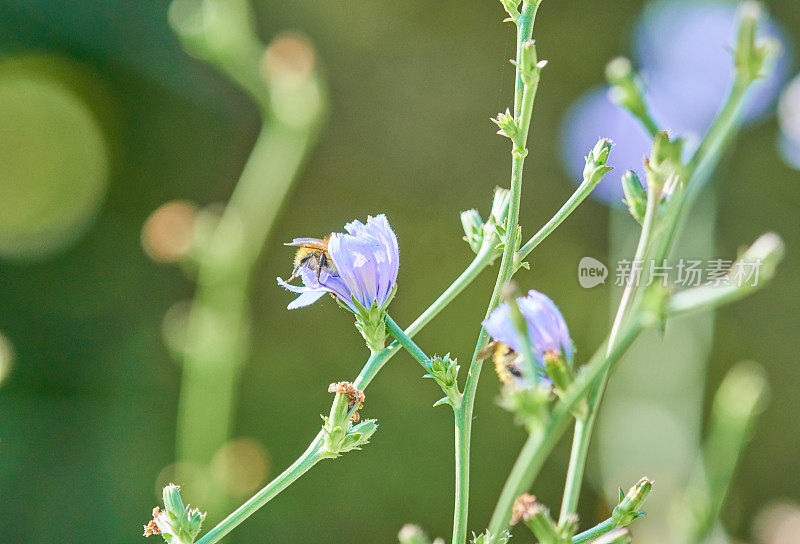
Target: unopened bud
(555,366)
(664,162)
(767,251)
(753,56)
(626,89)
(412,534)
(596,160)
(444,370)
(500,204)
(635,195)
(628,508)
(173,502)
(507,124)
(473,229)
(529,65)
(537,518)
(176,523)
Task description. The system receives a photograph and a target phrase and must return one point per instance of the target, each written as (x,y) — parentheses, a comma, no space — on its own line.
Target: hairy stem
(524,96)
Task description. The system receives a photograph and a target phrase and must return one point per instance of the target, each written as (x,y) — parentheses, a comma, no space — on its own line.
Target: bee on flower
(357,267)
(547,333)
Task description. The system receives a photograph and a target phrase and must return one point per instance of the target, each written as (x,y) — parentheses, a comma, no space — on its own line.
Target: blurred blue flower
(547,329)
(365,263)
(683,48)
(789,119)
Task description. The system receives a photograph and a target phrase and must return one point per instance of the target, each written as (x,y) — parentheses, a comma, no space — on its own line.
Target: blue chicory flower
(547,329)
(683,50)
(365,263)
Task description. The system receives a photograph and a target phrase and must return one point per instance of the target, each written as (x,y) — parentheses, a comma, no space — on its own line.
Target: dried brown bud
(524,507)
(355,397)
(151,528)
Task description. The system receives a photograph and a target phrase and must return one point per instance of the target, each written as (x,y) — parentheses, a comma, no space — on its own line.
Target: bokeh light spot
(168,234)
(241,466)
(54,159)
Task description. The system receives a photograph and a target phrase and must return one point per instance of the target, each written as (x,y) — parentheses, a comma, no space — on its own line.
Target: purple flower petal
(366,259)
(547,330)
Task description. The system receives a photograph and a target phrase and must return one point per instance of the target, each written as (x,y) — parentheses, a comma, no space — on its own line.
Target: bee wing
(311,243)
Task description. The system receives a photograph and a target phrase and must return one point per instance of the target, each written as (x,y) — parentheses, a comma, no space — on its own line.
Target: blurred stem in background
(752,59)
(283,81)
(738,401)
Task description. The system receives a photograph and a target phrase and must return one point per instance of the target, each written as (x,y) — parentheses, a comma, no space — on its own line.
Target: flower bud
(537,517)
(665,161)
(596,161)
(172,499)
(507,124)
(628,508)
(339,434)
(487,538)
(444,371)
(412,534)
(626,89)
(555,366)
(177,524)
(635,195)
(768,250)
(530,405)
(500,204)
(529,65)
(752,57)
(358,435)
(473,229)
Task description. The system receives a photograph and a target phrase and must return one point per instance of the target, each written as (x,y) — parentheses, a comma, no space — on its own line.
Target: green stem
(216,334)
(726,121)
(482,260)
(706,158)
(407,343)
(309,458)
(540,444)
(585,425)
(580,194)
(524,32)
(702,162)
(595,532)
(523,109)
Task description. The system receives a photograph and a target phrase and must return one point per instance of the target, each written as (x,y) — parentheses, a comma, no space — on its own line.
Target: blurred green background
(87,407)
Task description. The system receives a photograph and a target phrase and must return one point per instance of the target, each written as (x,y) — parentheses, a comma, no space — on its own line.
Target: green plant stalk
(308,459)
(595,532)
(523,107)
(481,261)
(407,343)
(585,425)
(706,158)
(737,404)
(524,32)
(584,190)
(540,444)
(216,337)
(313,454)
(702,163)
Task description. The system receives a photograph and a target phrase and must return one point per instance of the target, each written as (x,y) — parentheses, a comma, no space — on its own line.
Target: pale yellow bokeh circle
(54,162)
